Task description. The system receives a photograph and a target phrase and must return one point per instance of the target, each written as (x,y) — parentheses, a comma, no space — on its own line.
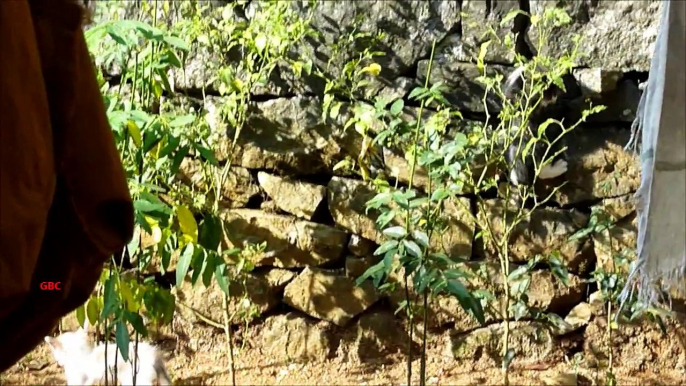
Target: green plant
(611,279)
(154,138)
(264,44)
(151,143)
(350,85)
(457,163)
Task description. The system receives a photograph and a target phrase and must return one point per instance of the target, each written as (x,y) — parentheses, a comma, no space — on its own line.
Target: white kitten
(85,365)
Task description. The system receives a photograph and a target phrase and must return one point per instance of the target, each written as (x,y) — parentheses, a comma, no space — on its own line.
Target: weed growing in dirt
(610,278)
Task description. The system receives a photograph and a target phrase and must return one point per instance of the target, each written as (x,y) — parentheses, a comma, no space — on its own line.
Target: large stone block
(238,187)
(546,230)
(329,296)
(262,289)
(285,135)
(290,242)
(599,167)
(295,197)
(616,35)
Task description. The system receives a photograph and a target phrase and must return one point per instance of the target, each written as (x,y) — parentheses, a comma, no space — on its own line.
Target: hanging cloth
(661,197)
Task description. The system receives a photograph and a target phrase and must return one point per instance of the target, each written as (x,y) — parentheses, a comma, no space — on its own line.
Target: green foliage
(467,160)
(175,221)
(154,136)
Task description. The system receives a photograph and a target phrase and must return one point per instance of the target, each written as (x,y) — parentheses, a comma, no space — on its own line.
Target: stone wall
(282,189)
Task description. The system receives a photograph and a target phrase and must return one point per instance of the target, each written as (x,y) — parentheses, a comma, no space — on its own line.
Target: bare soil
(199,356)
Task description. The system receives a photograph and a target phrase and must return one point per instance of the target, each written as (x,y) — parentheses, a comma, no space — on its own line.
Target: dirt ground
(199,357)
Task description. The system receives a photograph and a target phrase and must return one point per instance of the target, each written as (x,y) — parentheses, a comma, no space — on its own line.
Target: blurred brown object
(65,207)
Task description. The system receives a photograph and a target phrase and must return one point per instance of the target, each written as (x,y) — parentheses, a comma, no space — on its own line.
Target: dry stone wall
(282,189)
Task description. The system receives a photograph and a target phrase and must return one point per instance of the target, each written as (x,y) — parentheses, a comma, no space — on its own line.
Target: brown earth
(197,355)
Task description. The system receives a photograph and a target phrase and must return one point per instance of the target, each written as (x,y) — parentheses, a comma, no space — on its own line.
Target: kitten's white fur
(85,365)
(514,76)
(547,172)
(552,171)
(513,177)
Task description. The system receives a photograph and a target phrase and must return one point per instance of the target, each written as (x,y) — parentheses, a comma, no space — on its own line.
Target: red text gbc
(51,286)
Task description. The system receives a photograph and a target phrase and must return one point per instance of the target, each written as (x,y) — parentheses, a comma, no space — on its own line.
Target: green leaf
(260,43)
(428,279)
(156,87)
(483,50)
(519,310)
(162,73)
(222,279)
(118,38)
(159,303)
(387,262)
(413,248)
(122,336)
(127,294)
(528,146)
(171,145)
(401,306)
(395,232)
(187,222)
(307,66)
(373,271)
(145,206)
(209,265)
(92,311)
(381,199)
(439,194)
(81,314)
(483,294)
(414,94)
(342,164)
(373,69)
(520,286)
(176,42)
(148,31)
(397,107)
(429,157)
(110,297)
(559,83)
(178,159)
(517,273)
(335,110)
(445,260)
(511,15)
(183,120)
(168,248)
(557,268)
(385,247)
(134,132)
(136,322)
(421,237)
(417,202)
(508,357)
(210,232)
(197,263)
(581,233)
(171,58)
(466,300)
(206,153)
(184,263)
(543,126)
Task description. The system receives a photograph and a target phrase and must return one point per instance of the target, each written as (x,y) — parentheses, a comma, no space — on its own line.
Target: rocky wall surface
(282,189)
